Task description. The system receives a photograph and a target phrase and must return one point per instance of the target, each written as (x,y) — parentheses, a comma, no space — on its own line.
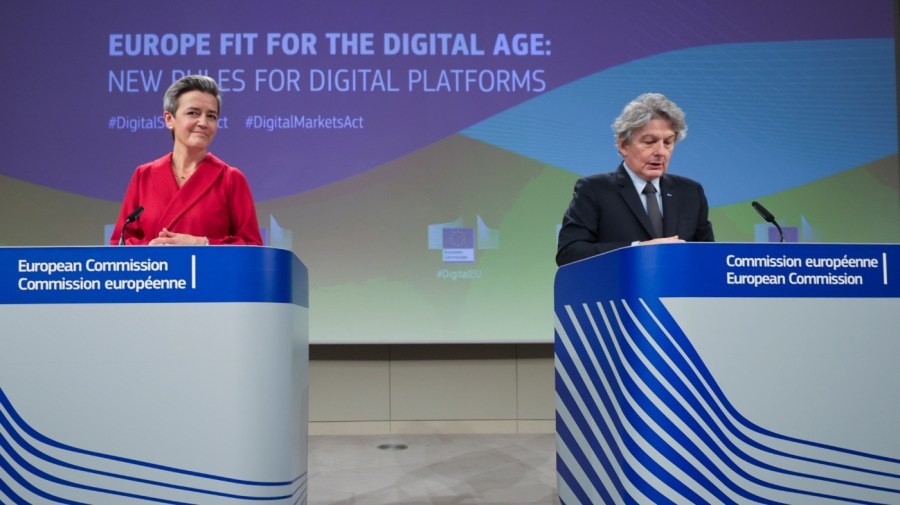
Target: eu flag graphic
(459,245)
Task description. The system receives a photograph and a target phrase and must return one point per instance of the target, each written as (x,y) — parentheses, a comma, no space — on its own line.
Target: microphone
(128,220)
(768,217)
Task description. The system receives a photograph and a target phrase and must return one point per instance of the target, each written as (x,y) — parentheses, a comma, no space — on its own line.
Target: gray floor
(433,470)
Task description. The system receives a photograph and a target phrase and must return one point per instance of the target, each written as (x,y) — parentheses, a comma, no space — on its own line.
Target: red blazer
(214,203)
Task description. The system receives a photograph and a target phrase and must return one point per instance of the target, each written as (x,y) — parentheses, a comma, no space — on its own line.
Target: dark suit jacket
(606,213)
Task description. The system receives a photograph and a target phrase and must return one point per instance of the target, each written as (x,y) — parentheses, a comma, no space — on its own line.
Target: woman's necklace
(181,177)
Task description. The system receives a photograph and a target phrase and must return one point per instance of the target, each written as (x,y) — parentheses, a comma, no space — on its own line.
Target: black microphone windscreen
(763,212)
(134,215)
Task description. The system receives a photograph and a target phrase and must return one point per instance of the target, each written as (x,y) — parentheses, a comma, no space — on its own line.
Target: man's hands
(663,240)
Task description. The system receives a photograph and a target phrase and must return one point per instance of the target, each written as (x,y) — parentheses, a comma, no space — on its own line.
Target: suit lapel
(206,175)
(632,200)
(164,186)
(669,194)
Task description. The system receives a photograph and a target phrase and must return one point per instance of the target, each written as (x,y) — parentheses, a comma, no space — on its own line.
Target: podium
(729,373)
(153,375)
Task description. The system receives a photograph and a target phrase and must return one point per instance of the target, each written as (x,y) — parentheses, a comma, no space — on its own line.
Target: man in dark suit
(639,203)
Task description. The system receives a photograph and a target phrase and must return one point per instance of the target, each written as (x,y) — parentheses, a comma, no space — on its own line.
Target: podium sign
(153,375)
(729,373)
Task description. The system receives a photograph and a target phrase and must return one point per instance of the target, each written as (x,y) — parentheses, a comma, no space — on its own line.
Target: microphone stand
(768,217)
(130,219)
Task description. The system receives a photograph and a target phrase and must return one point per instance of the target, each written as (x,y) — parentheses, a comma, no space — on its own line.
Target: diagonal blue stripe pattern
(631,447)
(672,380)
(30,475)
(579,493)
(642,364)
(616,340)
(669,427)
(683,342)
(654,309)
(16,476)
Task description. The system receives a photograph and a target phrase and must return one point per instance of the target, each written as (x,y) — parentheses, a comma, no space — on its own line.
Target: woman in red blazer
(189,196)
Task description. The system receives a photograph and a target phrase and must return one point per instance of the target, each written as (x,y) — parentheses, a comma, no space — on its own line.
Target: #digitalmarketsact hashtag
(272,123)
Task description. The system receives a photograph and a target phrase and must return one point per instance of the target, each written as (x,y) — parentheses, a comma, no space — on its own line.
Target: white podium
(729,373)
(153,375)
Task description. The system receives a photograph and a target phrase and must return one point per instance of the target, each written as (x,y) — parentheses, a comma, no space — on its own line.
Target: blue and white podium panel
(729,373)
(153,375)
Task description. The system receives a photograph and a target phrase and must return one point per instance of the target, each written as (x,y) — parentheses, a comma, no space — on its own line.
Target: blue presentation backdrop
(418,156)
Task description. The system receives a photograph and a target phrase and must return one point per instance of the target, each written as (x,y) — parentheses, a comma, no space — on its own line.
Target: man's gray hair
(642,109)
(187,83)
